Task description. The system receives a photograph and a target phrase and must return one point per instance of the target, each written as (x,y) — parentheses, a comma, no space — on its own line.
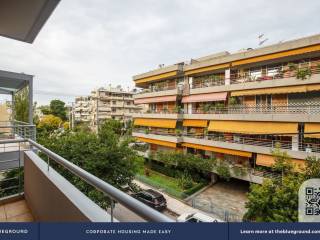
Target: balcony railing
(275,73)
(313,108)
(114,194)
(164,111)
(269,143)
(272,73)
(13,129)
(208,82)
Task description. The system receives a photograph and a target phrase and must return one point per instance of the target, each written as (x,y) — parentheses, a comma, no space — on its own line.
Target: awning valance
(155,99)
(156,77)
(276,90)
(208,97)
(218,150)
(250,127)
(160,123)
(268,161)
(312,128)
(157,142)
(195,123)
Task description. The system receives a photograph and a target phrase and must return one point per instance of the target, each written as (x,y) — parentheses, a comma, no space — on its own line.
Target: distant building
(105,103)
(82,109)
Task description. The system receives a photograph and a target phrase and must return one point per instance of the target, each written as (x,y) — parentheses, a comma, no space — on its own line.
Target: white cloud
(86,44)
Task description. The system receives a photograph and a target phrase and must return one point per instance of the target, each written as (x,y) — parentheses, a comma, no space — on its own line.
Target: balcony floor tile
(17,211)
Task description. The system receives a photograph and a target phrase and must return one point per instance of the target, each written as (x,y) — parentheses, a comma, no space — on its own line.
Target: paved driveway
(230,196)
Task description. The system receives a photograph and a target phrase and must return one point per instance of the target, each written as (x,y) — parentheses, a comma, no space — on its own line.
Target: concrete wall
(51,197)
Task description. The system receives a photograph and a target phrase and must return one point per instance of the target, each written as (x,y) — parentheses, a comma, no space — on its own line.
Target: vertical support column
(189,108)
(13,112)
(295,143)
(227,76)
(31,100)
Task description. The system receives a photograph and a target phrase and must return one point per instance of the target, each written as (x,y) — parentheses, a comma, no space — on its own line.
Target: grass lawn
(168,184)
(165,181)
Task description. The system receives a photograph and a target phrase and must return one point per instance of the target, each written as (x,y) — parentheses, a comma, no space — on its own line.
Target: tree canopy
(57,108)
(21,105)
(276,199)
(105,156)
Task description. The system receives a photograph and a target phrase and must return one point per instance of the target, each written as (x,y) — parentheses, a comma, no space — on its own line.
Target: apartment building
(82,109)
(105,103)
(236,107)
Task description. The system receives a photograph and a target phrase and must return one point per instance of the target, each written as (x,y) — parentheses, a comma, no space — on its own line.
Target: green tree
(112,125)
(276,199)
(21,105)
(103,155)
(57,108)
(46,126)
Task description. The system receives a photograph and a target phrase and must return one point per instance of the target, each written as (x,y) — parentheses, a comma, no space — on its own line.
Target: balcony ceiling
(12,82)
(22,20)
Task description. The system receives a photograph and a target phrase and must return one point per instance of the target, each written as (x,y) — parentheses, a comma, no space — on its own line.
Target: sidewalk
(174,205)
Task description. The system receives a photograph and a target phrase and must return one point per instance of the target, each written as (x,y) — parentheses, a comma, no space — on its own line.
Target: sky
(89,44)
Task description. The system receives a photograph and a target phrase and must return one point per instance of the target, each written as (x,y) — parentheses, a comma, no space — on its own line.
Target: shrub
(223,171)
(185,181)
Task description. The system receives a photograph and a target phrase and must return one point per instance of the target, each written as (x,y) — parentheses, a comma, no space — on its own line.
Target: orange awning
(249,127)
(217,149)
(157,142)
(275,90)
(160,123)
(195,123)
(310,128)
(268,161)
(208,97)
(155,99)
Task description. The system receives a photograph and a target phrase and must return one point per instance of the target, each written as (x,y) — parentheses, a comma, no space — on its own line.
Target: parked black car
(151,198)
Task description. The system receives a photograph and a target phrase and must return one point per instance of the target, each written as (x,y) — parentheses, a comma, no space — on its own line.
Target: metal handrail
(129,202)
(313,108)
(302,147)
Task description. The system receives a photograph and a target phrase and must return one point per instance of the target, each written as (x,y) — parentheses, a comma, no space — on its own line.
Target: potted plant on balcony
(177,109)
(232,101)
(147,131)
(303,73)
(178,132)
(219,107)
(206,108)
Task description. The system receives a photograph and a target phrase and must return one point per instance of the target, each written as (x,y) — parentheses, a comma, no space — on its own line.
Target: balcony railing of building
(279,72)
(269,143)
(208,81)
(12,129)
(165,111)
(301,71)
(113,194)
(309,108)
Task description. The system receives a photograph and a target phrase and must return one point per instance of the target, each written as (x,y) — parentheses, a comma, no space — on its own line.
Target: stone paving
(230,196)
